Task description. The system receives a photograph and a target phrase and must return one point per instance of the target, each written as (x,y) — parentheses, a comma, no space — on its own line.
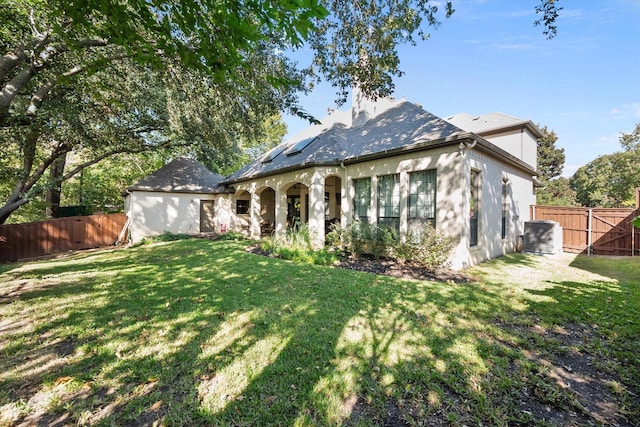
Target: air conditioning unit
(542,237)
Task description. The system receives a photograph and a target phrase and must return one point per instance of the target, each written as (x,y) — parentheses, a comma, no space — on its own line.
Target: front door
(207,216)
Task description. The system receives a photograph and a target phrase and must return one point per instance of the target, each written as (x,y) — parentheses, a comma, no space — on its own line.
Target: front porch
(272,205)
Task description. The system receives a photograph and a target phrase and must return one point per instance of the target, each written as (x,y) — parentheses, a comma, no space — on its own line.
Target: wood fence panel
(600,231)
(34,239)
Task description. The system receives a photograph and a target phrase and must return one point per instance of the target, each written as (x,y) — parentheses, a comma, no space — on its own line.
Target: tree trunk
(54,189)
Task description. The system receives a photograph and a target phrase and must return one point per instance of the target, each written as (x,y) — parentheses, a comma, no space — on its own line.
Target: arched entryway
(297,204)
(332,201)
(267,211)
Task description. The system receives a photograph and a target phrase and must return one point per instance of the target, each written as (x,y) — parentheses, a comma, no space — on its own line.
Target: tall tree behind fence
(597,231)
(34,239)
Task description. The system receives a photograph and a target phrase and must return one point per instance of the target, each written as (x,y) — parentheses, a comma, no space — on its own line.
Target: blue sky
(488,57)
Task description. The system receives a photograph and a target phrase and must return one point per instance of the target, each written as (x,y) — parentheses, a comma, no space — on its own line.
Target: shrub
(168,236)
(232,235)
(296,246)
(360,238)
(426,247)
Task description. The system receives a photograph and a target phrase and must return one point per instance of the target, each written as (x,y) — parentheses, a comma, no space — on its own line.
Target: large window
(389,201)
(505,208)
(362,198)
(474,204)
(422,200)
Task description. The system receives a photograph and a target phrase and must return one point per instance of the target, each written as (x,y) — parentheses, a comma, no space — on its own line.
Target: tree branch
(9,61)
(43,91)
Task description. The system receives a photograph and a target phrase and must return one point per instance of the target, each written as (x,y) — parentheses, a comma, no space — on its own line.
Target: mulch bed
(391,268)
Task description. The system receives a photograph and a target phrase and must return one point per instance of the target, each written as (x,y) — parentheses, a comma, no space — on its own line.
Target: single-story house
(177,198)
(390,162)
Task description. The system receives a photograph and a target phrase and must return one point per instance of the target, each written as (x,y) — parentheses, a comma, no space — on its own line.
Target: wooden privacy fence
(598,231)
(33,239)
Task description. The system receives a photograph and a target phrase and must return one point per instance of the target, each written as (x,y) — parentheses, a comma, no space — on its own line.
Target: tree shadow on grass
(585,335)
(203,333)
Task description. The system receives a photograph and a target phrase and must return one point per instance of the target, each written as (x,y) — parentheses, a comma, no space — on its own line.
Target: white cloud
(609,139)
(625,111)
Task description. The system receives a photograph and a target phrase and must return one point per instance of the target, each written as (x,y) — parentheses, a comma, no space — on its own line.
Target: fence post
(589,236)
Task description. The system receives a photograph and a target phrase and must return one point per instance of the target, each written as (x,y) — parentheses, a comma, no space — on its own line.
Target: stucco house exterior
(392,163)
(177,198)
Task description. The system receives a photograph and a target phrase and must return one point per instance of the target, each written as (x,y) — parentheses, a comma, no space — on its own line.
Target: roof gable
(182,175)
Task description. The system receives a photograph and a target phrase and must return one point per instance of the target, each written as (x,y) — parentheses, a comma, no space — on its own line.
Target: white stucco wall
(521,143)
(453,167)
(520,195)
(153,213)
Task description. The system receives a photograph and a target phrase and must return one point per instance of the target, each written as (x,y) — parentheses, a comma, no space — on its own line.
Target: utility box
(542,237)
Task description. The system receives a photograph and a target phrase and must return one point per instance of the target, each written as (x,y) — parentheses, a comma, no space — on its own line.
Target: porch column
(316,211)
(281,211)
(254,227)
(346,204)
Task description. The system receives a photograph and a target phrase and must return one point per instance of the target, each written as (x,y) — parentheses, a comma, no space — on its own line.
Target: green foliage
(550,158)
(199,332)
(426,247)
(609,181)
(557,192)
(168,236)
(361,238)
(296,246)
(636,222)
(234,236)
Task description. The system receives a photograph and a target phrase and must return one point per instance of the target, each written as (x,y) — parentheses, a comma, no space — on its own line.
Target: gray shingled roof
(487,123)
(182,175)
(400,127)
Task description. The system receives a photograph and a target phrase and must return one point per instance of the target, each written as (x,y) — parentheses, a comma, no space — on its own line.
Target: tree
(556,190)
(610,180)
(550,158)
(62,79)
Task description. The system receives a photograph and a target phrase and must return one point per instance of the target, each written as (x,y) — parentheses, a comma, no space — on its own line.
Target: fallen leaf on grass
(63,380)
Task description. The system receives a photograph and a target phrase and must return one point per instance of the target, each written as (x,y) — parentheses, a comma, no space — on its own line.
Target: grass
(195,332)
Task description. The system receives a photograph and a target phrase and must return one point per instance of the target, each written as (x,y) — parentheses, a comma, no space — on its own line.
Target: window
(362,198)
(268,158)
(474,205)
(242,207)
(505,209)
(389,201)
(422,200)
(300,146)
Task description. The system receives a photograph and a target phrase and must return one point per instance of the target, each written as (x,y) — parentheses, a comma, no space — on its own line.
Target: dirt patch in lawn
(591,388)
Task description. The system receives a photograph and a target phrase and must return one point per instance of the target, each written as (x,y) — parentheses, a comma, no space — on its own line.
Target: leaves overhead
(611,180)
(357,42)
(96,78)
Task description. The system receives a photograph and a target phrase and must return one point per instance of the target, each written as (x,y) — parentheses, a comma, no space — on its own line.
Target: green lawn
(195,332)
